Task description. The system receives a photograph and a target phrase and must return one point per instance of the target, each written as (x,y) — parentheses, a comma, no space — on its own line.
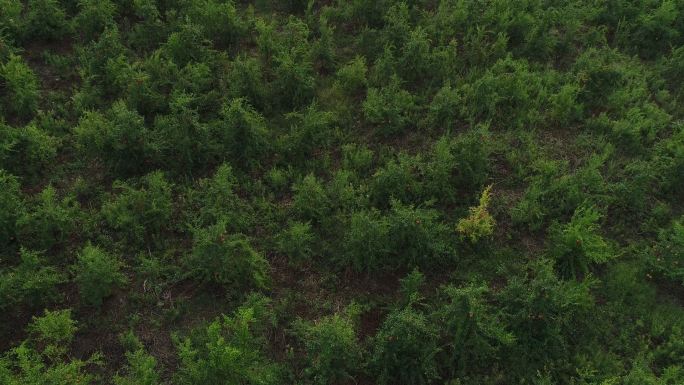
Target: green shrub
(48,221)
(242,133)
(278,180)
(311,130)
(624,286)
(310,201)
(441,171)
(352,77)
(357,158)
(397,179)
(146,9)
(457,166)
(20,88)
(577,246)
(406,237)
(415,61)
(147,86)
(397,23)
(443,111)
(404,349)
(332,348)
(10,19)
(344,194)
(390,109)
(566,108)
(288,48)
(227,260)
(119,137)
(447,63)
(555,192)
(54,331)
(149,32)
(366,241)
(187,44)
(384,68)
(231,350)
(363,13)
(479,223)
(54,327)
(266,38)
(640,373)
(36,150)
(32,282)
(545,314)
(666,168)
(294,82)
(472,330)
(140,213)
(418,237)
(639,127)
(45,19)
(652,31)
(670,354)
(97,274)
(11,208)
(140,366)
(672,71)
(184,142)
(410,288)
(297,242)
(323,50)
(27,151)
(667,258)
(199,81)
(94,17)
(104,69)
(245,79)
(216,198)
(605,74)
(218,20)
(508,93)
(25,364)
(472,151)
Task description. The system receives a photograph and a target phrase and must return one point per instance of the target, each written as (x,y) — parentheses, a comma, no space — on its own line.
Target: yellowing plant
(480,222)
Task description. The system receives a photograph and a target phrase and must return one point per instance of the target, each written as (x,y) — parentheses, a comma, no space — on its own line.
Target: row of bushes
(185,74)
(466,333)
(372,211)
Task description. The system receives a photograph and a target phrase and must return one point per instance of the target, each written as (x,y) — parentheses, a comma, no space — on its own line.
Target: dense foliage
(342,192)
